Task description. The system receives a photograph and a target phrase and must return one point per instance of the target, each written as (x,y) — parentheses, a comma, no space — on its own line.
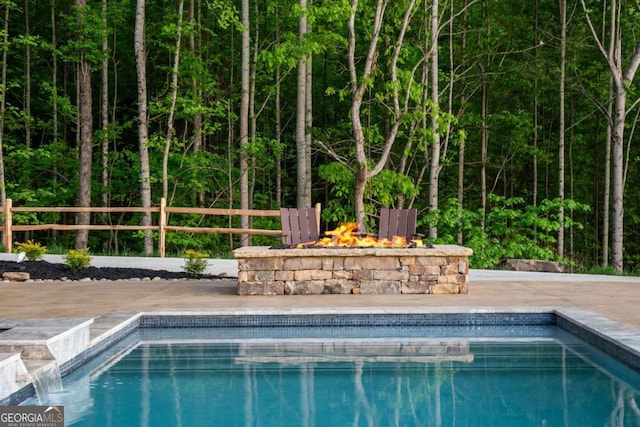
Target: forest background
(510,125)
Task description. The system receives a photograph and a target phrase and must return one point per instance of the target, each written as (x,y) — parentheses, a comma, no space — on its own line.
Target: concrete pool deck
(614,297)
(66,320)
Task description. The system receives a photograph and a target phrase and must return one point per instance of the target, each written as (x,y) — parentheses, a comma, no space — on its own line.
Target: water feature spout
(47,381)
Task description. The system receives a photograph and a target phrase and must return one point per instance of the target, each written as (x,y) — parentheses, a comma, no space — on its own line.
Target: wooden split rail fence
(162,226)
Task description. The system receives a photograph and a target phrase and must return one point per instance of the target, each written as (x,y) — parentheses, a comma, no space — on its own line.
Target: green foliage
(605,271)
(339,207)
(33,250)
(512,229)
(195,263)
(384,189)
(77,259)
(491,77)
(226,13)
(86,25)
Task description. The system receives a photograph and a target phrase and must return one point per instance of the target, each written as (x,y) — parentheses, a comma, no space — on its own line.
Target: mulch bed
(43,270)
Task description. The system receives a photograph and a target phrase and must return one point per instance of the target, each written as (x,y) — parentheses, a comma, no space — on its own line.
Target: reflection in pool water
(397,377)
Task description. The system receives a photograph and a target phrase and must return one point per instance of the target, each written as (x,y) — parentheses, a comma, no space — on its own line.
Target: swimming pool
(401,369)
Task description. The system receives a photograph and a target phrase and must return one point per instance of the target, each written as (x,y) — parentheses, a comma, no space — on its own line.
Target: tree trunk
(434,170)
(359,86)
(606,196)
(484,142)
(301,138)
(278,118)
(3,102)
(244,122)
(561,125)
(617,152)
(143,131)
(357,95)
(461,147)
(571,250)
(253,116)
(607,156)
(104,110)
(54,72)
(359,190)
(308,123)
(28,119)
(197,120)
(172,107)
(195,48)
(425,125)
(86,136)
(621,79)
(536,79)
(27,84)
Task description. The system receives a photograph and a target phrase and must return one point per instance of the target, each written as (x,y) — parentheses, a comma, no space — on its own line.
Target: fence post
(8,238)
(162,222)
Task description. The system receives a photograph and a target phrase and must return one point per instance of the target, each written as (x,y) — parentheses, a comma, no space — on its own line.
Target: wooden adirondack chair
(398,222)
(300,225)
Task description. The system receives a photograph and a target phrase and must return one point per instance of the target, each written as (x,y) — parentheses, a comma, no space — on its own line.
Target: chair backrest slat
(285,222)
(383,226)
(299,225)
(397,222)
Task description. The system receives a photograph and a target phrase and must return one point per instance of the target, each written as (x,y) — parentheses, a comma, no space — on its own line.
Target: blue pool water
(436,376)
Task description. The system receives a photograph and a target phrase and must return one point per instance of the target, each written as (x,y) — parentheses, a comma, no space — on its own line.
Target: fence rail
(162,226)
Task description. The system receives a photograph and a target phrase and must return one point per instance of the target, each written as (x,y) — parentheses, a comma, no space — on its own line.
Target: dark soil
(45,270)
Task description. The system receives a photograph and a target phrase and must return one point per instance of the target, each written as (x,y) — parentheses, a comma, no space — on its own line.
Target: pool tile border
(337,320)
(613,338)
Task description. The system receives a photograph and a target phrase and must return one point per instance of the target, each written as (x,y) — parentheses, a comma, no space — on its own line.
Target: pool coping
(613,338)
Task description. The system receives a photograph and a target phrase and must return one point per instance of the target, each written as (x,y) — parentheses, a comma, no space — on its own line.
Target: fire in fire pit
(346,235)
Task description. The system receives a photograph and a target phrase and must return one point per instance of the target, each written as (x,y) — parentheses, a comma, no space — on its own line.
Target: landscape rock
(16,276)
(534,265)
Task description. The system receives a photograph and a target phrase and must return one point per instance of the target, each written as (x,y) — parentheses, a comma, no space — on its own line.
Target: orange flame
(346,235)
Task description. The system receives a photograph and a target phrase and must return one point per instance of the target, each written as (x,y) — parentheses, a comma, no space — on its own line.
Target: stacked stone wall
(339,271)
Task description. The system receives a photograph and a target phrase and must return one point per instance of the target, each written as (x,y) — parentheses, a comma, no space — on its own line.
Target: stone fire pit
(443,269)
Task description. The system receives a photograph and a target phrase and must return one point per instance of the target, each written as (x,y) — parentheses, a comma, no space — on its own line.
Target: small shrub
(77,259)
(194,262)
(33,251)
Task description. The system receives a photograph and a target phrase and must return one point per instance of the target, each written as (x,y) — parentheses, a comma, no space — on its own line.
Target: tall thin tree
(561,124)
(194,29)
(278,115)
(244,120)
(85,128)
(172,104)
(308,118)
(606,193)
(463,102)
(27,75)
(143,125)
(54,73)
(434,170)
(360,84)
(3,100)
(303,199)
(104,107)
(253,114)
(622,78)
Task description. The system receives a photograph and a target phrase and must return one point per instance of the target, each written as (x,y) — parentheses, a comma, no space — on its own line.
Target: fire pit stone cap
(436,250)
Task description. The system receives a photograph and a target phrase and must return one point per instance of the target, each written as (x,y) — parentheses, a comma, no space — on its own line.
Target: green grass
(606,271)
